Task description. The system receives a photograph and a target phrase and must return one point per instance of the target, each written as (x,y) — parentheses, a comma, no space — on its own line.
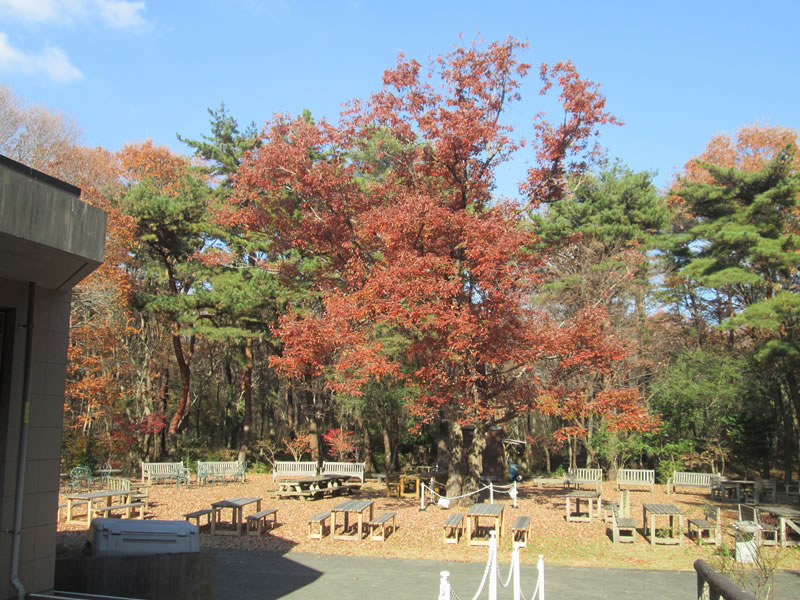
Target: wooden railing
(712,585)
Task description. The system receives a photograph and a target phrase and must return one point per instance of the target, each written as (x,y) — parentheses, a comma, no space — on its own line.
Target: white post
(514,493)
(422,496)
(444,585)
(492,564)
(491,493)
(515,569)
(540,577)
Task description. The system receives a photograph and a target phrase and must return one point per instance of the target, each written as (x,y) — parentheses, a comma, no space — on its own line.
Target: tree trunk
(247,392)
(455,448)
(182,409)
(366,445)
(164,410)
(387,449)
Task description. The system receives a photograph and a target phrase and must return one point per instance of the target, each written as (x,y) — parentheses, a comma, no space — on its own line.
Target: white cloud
(50,61)
(113,13)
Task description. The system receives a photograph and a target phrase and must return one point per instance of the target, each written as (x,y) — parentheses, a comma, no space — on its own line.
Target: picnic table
(577,496)
(787,517)
(311,487)
(237,514)
(662,510)
(356,508)
(410,483)
(476,512)
(733,489)
(91,498)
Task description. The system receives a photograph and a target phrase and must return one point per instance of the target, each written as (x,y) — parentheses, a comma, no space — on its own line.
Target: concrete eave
(47,235)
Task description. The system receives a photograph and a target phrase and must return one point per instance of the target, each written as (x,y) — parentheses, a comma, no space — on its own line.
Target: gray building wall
(49,240)
(49,352)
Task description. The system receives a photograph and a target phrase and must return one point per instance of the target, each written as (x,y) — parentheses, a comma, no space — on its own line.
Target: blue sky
(676,72)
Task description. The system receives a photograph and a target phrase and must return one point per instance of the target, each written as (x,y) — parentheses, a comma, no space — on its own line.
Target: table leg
(469,529)
(213,520)
(333,524)
(680,530)
(237,515)
(782,532)
(69,510)
(591,510)
(360,523)
(652,529)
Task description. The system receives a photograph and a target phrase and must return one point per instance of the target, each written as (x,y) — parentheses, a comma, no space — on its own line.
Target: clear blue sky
(676,72)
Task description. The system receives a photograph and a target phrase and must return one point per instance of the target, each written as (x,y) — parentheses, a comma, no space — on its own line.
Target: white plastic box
(121,537)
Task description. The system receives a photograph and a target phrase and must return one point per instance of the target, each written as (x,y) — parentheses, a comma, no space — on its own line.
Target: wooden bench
(591,477)
(291,468)
(379,524)
(693,480)
(318,520)
(622,525)
(155,472)
(520,531)
(347,469)
(710,523)
(453,528)
(258,522)
(203,512)
(623,505)
(129,509)
(765,534)
(636,478)
(232,470)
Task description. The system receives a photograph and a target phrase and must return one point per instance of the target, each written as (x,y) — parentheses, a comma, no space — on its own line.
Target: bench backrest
(118,483)
(291,468)
(586,474)
(175,469)
(228,467)
(351,469)
(748,513)
(636,476)
(687,478)
(712,513)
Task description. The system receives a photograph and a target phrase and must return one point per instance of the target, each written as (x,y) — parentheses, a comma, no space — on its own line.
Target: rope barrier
(510,489)
(446,591)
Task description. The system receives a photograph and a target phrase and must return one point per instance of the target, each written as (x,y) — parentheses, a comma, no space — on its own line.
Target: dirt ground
(419,533)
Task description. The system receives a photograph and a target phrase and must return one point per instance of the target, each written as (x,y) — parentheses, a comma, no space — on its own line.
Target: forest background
(360,290)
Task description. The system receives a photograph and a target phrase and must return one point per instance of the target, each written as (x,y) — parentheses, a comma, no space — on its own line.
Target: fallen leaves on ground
(419,533)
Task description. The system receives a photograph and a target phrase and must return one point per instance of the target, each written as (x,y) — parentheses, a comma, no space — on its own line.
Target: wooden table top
(481,509)
(97,494)
(234,502)
(662,509)
(779,511)
(352,506)
(583,494)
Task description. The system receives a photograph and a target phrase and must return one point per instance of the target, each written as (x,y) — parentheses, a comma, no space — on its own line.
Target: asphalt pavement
(247,575)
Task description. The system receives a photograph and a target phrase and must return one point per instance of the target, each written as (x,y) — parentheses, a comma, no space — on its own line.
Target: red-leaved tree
(394,215)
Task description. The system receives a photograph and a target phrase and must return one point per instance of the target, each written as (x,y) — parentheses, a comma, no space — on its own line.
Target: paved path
(243,575)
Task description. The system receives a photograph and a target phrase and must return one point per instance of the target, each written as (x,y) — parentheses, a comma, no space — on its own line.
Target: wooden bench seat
(318,520)
(622,525)
(206,512)
(453,528)
(259,522)
(520,531)
(129,509)
(708,529)
(765,533)
(379,524)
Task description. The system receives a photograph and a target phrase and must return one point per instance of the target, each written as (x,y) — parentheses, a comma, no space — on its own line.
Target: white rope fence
(492,573)
(444,501)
